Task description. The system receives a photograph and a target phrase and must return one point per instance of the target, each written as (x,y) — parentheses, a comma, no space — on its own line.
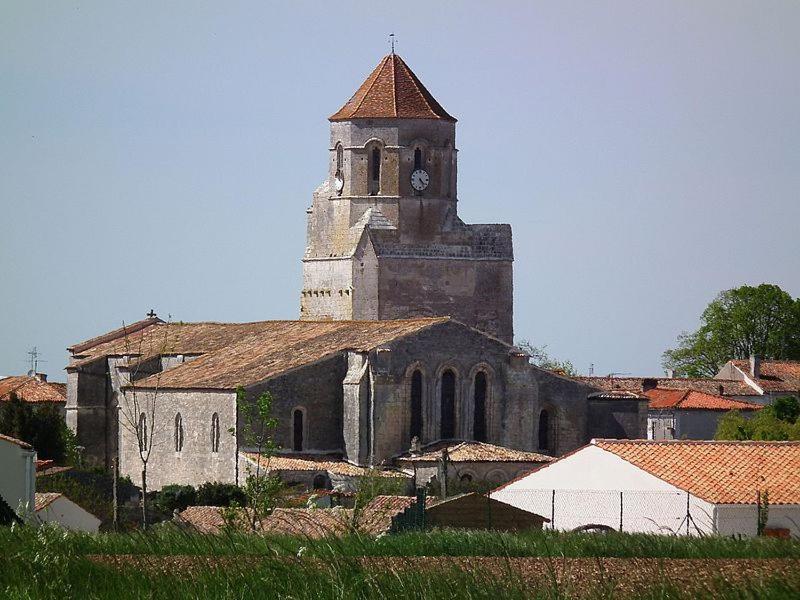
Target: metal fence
(629,511)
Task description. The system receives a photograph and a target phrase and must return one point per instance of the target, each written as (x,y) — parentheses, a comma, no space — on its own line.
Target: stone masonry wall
(195,463)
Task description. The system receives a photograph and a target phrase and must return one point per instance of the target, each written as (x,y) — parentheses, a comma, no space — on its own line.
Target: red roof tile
(43,500)
(690,399)
(310,462)
(32,389)
(16,442)
(774,375)
(723,387)
(471,451)
(392,91)
(718,472)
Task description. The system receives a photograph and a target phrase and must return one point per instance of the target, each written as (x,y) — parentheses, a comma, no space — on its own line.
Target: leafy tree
(778,421)
(172,497)
(761,321)
(543,360)
(261,489)
(43,428)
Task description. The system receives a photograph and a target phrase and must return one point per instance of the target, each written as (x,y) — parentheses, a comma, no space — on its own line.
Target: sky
(162,155)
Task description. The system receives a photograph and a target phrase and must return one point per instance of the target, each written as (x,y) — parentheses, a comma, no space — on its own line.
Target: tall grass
(49,563)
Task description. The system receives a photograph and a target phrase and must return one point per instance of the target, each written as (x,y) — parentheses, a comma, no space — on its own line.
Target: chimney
(755,366)
(670,373)
(40,377)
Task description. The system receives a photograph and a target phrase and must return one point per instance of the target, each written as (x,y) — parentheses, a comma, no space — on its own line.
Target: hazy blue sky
(162,154)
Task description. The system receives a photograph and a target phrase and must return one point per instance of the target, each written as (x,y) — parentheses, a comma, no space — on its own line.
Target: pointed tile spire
(392,91)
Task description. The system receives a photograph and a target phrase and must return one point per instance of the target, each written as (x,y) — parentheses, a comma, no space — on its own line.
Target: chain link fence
(629,511)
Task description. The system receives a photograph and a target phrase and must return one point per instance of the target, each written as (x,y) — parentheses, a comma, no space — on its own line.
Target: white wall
(588,487)
(65,513)
(741,519)
(17,475)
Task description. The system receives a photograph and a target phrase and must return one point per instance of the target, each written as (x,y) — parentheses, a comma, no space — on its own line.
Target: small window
(375,171)
(321,482)
(297,430)
(544,431)
(142,431)
(178,432)
(448,405)
(215,432)
(415,429)
(339,158)
(417,159)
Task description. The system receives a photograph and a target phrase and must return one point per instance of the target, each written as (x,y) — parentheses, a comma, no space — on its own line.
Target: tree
(776,422)
(261,489)
(543,360)
(762,321)
(43,428)
(138,410)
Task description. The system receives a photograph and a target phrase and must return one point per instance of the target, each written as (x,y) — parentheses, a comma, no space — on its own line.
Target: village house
(18,469)
(770,378)
(689,414)
(688,487)
(35,390)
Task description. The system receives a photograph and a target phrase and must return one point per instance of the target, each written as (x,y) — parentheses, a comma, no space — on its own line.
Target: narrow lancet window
(297,430)
(479,424)
(448,405)
(215,432)
(415,429)
(178,432)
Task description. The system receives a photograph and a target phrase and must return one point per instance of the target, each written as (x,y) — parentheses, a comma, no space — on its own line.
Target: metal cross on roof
(391,41)
(152,313)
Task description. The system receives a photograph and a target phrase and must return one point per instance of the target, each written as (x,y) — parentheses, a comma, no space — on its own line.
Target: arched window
(544,431)
(448,405)
(415,430)
(339,157)
(142,432)
(375,171)
(417,159)
(297,430)
(178,432)
(215,432)
(479,423)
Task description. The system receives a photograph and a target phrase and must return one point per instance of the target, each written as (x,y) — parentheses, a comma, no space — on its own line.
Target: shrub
(172,497)
(220,494)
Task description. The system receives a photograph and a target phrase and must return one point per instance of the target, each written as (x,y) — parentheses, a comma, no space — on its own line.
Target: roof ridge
(377,72)
(394,83)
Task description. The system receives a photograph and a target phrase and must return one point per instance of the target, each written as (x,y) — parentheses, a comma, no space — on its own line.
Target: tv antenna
(34,361)
(391,41)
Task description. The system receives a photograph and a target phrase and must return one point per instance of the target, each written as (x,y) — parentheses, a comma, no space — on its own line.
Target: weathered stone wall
(566,402)
(316,390)
(617,419)
(87,411)
(195,463)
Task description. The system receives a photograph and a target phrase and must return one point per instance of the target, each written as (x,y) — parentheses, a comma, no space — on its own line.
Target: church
(405,335)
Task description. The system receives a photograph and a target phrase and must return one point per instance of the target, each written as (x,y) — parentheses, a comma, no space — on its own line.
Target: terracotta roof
(16,442)
(113,335)
(718,472)
(157,338)
(43,500)
(392,91)
(723,387)
(691,399)
(774,375)
(32,389)
(315,523)
(469,451)
(275,347)
(308,462)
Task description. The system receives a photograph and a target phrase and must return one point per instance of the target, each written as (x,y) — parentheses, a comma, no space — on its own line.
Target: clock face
(420,179)
(339,182)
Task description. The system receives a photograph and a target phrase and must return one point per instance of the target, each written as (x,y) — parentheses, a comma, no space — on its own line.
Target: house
(468,462)
(35,390)
(770,378)
(18,470)
(690,487)
(57,508)
(689,414)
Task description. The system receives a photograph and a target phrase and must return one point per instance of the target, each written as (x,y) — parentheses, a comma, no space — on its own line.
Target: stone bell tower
(384,239)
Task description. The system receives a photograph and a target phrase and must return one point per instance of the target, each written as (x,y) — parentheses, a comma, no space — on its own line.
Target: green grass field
(169,563)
